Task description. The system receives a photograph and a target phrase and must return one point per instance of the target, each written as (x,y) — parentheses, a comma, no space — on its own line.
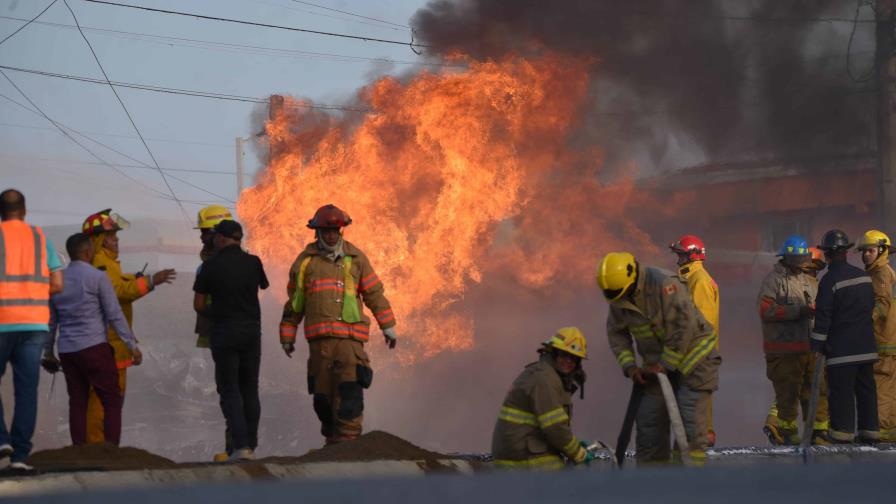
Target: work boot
(242,455)
(821,438)
(221,457)
(774,436)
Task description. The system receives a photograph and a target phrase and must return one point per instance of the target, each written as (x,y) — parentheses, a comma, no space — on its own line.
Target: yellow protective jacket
(781,297)
(128,288)
(883,279)
(533,428)
(668,329)
(704,291)
(324,292)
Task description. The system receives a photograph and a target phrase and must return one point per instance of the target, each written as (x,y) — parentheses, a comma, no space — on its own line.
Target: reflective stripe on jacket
(128,288)
(533,428)
(324,298)
(24,275)
(668,329)
(883,280)
(843,328)
(782,296)
(704,292)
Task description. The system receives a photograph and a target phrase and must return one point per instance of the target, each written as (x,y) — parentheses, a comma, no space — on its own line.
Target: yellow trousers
(95,414)
(885,376)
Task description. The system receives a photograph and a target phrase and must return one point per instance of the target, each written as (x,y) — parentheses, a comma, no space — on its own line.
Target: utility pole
(239,165)
(885,64)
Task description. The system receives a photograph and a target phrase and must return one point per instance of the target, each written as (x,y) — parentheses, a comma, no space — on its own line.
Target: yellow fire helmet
(872,239)
(569,340)
(616,272)
(211,215)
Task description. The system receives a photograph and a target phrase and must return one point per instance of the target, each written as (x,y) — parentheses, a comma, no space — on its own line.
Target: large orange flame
(449,175)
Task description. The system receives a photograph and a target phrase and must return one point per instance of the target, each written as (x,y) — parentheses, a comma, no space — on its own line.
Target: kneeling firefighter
(327,283)
(533,428)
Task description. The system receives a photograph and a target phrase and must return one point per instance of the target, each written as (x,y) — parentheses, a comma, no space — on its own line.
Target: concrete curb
(43,484)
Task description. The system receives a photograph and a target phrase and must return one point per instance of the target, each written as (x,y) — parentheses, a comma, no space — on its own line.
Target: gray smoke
(684,82)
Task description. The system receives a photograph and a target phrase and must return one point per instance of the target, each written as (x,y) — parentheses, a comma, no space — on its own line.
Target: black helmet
(835,240)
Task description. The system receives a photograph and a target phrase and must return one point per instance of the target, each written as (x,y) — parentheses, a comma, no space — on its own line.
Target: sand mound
(375,445)
(103,456)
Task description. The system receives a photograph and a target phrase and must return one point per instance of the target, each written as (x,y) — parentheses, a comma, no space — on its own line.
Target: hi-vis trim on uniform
(671,358)
(849,283)
(543,463)
(700,351)
(552,417)
(24,275)
(852,358)
(819,337)
(625,358)
(516,416)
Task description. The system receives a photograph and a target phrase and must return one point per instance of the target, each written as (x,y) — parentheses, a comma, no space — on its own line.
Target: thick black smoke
(690,81)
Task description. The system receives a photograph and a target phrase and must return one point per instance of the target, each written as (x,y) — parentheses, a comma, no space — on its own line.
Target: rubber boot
(774,436)
(821,438)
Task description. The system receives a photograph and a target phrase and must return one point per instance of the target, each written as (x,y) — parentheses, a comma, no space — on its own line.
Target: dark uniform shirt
(232,277)
(843,328)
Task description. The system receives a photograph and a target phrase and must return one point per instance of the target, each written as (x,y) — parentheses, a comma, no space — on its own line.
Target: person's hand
(655,368)
(638,376)
(391,337)
(807,311)
(164,276)
(50,363)
(136,356)
(288,349)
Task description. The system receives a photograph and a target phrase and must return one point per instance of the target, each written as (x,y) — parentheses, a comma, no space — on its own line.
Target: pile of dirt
(375,445)
(102,456)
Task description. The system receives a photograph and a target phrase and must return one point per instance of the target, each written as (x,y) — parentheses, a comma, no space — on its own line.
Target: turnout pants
(791,377)
(92,370)
(885,380)
(652,438)
(853,395)
(236,350)
(338,372)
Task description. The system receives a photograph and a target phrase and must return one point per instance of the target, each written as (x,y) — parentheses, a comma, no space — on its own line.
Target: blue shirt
(53,264)
(83,310)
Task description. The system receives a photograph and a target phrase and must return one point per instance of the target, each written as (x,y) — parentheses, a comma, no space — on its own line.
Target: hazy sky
(63,183)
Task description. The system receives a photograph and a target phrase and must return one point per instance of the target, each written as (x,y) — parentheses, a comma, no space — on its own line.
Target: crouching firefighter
(327,283)
(652,307)
(533,428)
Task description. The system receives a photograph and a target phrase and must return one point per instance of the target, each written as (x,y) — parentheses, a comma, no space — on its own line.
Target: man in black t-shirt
(232,278)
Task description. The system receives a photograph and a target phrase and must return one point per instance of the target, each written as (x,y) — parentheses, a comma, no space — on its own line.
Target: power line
(41,13)
(62,129)
(115,135)
(352,14)
(127,113)
(120,165)
(239,48)
(176,91)
(870,75)
(411,44)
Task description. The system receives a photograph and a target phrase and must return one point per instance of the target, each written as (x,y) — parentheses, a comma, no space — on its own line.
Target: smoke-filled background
(486,188)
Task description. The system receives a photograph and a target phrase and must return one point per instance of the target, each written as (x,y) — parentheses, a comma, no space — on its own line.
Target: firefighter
(326,283)
(875,248)
(206,220)
(533,428)
(786,305)
(103,228)
(652,307)
(844,333)
(821,422)
(704,293)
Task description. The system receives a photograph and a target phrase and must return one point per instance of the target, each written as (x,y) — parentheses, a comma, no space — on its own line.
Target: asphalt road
(853,482)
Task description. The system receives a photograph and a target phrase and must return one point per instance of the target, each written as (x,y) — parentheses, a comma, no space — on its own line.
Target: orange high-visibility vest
(24,275)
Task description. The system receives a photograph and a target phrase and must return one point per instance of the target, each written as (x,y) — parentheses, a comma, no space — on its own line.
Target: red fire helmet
(690,245)
(329,216)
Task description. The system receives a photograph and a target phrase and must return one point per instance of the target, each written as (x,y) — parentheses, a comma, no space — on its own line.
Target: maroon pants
(92,367)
